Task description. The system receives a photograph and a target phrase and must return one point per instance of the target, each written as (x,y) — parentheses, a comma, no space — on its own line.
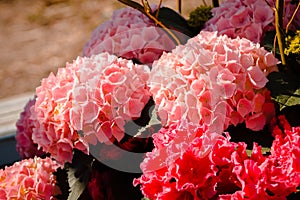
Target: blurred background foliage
(39,36)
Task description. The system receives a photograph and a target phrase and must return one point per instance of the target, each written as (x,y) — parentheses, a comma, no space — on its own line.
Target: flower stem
(158,7)
(292,18)
(146,10)
(279,31)
(179,6)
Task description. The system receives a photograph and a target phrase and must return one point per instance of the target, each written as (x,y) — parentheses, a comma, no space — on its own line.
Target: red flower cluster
(180,168)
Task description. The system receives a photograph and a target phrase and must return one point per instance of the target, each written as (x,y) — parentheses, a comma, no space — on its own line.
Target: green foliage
(174,21)
(291,99)
(62,183)
(79,173)
(171,21)
(268,41)
(199,16)
(76,186)
(285,89)
(265,151)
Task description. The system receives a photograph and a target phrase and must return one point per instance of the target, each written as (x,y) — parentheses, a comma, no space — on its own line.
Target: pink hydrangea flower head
(260,176)
(52,130)
(285,158)
(171,170)
(129,34)
(108,92)
(213,80)
(25,146)
(249,19)
(29,179)
(96,95)
(226,171)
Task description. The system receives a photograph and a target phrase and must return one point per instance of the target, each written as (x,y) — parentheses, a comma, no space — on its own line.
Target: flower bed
(160,107)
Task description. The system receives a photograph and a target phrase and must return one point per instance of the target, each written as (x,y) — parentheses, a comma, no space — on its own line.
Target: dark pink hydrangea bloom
(249,18)
(178,167)
(214,80)
(129,34)
(25,146)
(29,179)
(285,159)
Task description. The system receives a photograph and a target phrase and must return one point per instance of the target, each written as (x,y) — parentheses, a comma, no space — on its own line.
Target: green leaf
(249,152)
(265,151)
(175,21)
(152,124)
(289,100)
(79,173)
(285,89)
(133,4)
(76,186)
(268,42)
(62,183)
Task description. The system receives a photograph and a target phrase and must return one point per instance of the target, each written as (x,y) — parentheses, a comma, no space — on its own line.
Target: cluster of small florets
(129,34)
(96,95)
(199,89)
(52,131)
(108,92)
(214,80)
(249,19)
(180,168)
(29,179)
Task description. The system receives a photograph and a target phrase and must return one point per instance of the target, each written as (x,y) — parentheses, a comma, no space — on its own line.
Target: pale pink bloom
(257,77)
(129,34)
(250,19)
(96,96)
(29,179)
(213,80)
(52,131)
(107,92)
